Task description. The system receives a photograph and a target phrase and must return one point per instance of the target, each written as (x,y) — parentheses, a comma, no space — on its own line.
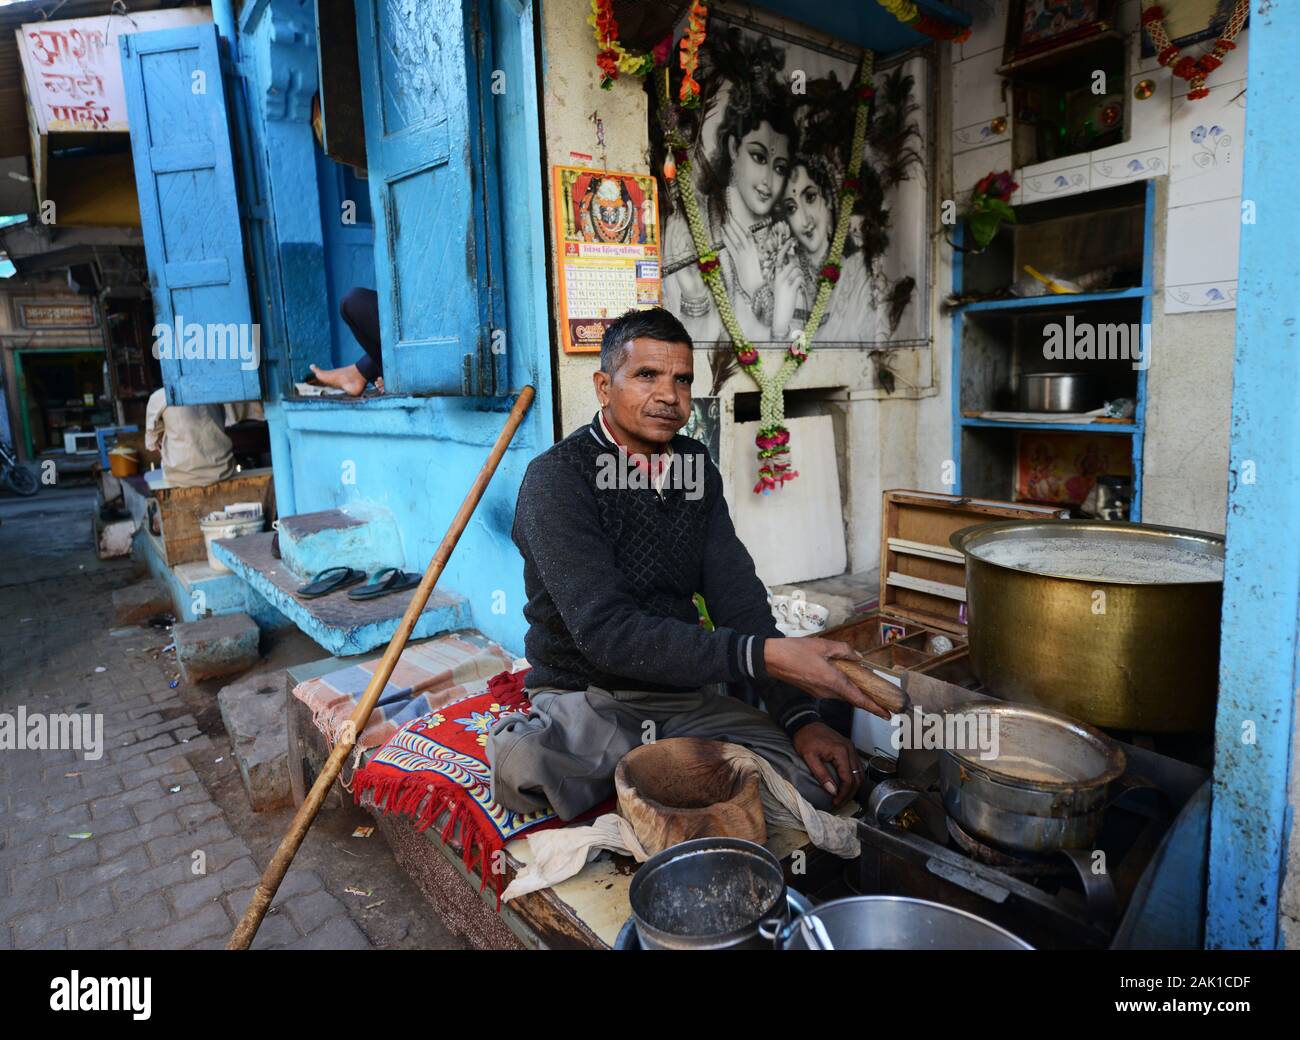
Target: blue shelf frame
(1136,430)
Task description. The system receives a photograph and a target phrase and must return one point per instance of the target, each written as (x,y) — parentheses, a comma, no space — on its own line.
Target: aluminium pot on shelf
(1061,391)
(1114,624)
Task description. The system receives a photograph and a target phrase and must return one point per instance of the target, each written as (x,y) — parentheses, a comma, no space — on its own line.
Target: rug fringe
(425,802)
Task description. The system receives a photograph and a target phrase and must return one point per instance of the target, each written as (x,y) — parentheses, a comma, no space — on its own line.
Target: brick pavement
(131,850)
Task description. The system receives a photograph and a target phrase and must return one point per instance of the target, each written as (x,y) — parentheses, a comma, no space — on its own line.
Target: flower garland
(773,438)
(612,57)
(910,15)
(1194,70)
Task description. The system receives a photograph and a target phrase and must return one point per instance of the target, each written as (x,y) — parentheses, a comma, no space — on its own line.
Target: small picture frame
(891,633)
(1037,27)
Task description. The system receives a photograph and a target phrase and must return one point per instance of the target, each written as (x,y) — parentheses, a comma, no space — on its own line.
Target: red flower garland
(1194,70)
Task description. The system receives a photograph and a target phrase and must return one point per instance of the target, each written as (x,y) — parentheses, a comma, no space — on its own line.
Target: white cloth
(195,449)
(561,853)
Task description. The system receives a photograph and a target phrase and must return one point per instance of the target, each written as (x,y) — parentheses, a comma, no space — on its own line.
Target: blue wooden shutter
(427,107)
(185,181)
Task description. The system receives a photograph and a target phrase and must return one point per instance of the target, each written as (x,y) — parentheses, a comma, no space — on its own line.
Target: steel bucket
(708,894)
(897,923)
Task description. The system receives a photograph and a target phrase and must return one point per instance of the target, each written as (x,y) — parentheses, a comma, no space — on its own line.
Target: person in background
(195,449)
(360,309)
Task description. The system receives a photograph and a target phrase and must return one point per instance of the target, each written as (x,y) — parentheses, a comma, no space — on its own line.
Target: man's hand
(819,745)
(806,663)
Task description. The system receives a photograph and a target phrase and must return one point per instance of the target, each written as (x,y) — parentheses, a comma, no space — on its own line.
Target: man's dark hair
(654,323)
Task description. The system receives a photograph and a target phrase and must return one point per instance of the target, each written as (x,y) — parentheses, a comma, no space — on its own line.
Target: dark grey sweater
(610,572)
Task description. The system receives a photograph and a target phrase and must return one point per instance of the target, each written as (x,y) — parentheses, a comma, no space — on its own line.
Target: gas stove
(1140,886)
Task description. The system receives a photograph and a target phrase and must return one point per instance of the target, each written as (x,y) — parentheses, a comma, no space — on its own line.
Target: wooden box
(181,508)
(920,622)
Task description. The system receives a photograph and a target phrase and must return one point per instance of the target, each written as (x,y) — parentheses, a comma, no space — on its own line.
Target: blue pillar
(1261,606)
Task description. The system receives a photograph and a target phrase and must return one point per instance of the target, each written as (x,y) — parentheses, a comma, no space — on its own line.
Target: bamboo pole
(302,820)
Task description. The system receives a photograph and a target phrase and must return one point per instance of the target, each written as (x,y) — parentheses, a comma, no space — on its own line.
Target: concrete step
(340,625)
(215,647)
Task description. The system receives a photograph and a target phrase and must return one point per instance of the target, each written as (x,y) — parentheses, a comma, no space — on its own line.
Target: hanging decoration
(910,15)
(613,58)
(773,438)
(1194,70)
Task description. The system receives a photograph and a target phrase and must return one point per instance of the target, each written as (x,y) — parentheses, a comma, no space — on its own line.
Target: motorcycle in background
(17,478)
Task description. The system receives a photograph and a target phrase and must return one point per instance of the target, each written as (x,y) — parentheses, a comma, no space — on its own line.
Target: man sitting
(195,449)
(620,524)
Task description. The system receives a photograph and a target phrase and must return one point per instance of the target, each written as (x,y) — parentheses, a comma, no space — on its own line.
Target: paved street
(153,844)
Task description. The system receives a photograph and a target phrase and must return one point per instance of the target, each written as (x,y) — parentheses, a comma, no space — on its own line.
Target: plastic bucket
(123,462)
(218,525)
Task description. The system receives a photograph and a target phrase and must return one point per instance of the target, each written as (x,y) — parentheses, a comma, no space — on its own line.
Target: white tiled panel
(1057,182)
(1108,170)
(1205,150)
(1201,256)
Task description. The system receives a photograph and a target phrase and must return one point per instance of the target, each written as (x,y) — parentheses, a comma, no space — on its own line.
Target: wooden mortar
(682,788)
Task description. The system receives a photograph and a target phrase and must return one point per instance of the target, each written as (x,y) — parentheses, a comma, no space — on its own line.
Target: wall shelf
(1061,301)
(994,339)
(1020,424)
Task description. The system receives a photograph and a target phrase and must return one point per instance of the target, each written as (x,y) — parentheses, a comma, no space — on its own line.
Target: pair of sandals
(390,579)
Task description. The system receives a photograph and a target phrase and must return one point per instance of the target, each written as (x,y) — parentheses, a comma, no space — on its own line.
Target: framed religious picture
(769,148)
(607,238)
(1038,27)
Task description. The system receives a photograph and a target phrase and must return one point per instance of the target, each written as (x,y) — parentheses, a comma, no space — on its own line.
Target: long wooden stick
(302,820)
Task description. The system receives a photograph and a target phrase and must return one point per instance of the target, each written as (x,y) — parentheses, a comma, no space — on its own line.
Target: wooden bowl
(683,788)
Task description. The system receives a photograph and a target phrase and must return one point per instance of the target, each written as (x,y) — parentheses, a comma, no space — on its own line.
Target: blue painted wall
(1258,665)
(415,456)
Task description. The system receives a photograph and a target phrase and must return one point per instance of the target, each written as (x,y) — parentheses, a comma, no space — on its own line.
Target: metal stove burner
(1016,863)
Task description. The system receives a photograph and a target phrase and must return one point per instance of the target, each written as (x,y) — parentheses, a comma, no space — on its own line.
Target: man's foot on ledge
(348,379)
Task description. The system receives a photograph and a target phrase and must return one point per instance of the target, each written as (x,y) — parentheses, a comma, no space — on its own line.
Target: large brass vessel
(1117,654)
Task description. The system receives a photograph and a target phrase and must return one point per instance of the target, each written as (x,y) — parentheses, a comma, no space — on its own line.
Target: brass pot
(1135,653)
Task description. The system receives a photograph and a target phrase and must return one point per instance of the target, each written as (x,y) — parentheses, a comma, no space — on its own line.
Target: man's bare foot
(379,384)
(349,379)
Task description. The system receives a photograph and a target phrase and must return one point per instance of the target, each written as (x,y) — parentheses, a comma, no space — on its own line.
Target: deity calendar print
(607,240)
(73,68)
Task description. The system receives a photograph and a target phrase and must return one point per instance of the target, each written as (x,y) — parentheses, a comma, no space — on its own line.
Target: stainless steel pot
(708,894)
(1048,627)
(1061,391)
(1044,785)
(894,923)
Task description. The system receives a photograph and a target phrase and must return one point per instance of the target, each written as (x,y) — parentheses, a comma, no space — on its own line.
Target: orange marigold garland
(613,58)
(689,94)
(1194,70)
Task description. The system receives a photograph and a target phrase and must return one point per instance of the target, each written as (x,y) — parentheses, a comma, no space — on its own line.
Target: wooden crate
(181,509)
(923,579)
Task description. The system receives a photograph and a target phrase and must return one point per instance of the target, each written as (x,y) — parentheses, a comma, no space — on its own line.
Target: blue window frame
(434,195)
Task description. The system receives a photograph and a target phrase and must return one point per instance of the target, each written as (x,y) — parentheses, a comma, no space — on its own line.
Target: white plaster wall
(880,435)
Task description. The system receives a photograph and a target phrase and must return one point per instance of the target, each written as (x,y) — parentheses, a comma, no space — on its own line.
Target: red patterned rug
(434,769)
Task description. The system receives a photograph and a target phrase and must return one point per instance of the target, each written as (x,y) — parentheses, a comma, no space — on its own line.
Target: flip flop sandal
(396,581)
(330,580)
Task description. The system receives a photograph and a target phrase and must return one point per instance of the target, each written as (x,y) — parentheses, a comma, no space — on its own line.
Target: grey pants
(563,752)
